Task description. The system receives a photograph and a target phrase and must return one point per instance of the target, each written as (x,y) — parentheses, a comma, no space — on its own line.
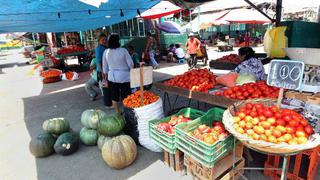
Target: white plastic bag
(144,115)
(74,77)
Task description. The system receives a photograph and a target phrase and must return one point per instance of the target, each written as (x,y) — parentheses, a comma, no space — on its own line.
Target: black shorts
(118,90)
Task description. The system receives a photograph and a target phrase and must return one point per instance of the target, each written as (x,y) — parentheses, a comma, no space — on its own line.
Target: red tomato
(290,129)
(277,115)
(280,122)
(293,123)
(267,113)
(259,106)
(253,113)
(249,106)
(304,122)
(309,130)
(274,108)
(287,118)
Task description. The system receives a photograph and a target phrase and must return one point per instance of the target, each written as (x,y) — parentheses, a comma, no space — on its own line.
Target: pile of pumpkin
(118,151)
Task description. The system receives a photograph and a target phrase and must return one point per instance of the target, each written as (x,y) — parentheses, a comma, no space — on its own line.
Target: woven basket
(263,146)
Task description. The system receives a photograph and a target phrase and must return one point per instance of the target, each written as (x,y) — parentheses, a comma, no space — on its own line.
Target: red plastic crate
(302,166)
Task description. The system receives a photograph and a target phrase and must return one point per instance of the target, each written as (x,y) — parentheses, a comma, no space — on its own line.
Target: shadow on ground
(87,162)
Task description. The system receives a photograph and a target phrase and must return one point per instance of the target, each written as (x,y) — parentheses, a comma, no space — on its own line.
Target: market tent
(245,16)
(67,15)
(206,20)
(164,8)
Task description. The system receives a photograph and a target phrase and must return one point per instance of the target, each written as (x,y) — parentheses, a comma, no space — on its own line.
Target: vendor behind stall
(250,64)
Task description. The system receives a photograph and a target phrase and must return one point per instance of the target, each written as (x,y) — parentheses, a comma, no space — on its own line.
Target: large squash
(88,136)
(67,143)
(91,117)
(111,125)
(42,145)
(56,125)
(119,152)
(101,140)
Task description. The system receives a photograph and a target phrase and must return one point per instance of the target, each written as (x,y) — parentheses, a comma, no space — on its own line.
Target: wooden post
(280,97)
(141,84)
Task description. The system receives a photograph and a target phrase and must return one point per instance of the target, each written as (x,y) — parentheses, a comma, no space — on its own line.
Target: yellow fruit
(281,140)
(255,121)
(250,132)
(236,119)
(292,142)
(240,130)
(263,137)
(248,118)
(266,124)
(281,128)
(302,140)
(259,129)
(272,139)
(242,124)
(268,132)
(255,136)
(235,126)
(249,125)
(287,137)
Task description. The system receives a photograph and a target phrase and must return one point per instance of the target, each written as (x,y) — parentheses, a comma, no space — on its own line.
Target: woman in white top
(117,63)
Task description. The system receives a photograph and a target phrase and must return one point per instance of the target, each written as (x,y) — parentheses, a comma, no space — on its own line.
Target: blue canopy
(67,15)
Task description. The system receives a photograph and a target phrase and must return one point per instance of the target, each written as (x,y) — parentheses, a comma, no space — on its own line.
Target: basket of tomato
(162,130)
(205,139)
(261,125)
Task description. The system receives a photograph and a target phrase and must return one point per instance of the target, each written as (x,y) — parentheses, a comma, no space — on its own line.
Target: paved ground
(25,103)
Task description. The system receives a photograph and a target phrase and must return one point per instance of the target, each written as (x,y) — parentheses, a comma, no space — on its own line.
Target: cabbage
(245,78)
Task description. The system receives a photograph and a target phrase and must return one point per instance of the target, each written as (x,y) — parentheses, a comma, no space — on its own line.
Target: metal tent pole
(278,12)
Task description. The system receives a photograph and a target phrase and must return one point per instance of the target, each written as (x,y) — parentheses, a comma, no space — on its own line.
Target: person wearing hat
(193,45)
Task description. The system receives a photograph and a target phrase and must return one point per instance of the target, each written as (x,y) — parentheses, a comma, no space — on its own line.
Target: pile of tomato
(201,80)
(233,58)
(210,135)
(272,124)
(50,73)
(70,50)
(134,100)
(169,127)
(258,89)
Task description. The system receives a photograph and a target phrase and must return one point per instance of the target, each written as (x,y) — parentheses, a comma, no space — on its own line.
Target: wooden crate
(222,170)
(302,96)
(174,161)
(301,166)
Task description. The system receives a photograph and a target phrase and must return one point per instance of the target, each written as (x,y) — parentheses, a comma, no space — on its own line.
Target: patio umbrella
(169,27)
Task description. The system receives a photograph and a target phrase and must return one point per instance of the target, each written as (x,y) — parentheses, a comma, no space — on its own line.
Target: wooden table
(191,95)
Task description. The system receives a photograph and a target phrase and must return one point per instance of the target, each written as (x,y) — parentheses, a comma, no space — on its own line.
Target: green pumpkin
(67,143)
(56,125)
(102,139)
(111,125)
(91,117)
(88,136)
(42,145)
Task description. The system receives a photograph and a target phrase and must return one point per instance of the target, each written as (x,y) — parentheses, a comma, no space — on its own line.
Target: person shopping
(250,64)
(116,65)
(93,81)
(193,45)
(150,49)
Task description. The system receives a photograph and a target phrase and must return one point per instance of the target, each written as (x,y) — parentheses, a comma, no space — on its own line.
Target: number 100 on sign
(286,74)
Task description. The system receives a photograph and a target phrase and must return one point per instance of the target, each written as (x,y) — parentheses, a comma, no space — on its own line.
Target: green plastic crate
(204,153)
(162,138)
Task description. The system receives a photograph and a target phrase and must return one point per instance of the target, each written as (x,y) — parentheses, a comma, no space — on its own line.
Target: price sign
(286,74)
(146,79)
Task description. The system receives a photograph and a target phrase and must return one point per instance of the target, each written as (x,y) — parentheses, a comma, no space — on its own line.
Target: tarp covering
(245,16)
(67,15)
(169,27)
(164,8)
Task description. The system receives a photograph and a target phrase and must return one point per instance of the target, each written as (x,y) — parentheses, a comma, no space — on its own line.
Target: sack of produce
(70,76)
(51,75)
(228,80)
(138,116)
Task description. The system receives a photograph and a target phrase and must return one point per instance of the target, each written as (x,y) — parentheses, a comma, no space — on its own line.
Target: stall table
(191,95)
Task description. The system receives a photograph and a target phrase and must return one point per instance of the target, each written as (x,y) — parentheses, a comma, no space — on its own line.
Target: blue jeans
(89,87)
(152,59)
